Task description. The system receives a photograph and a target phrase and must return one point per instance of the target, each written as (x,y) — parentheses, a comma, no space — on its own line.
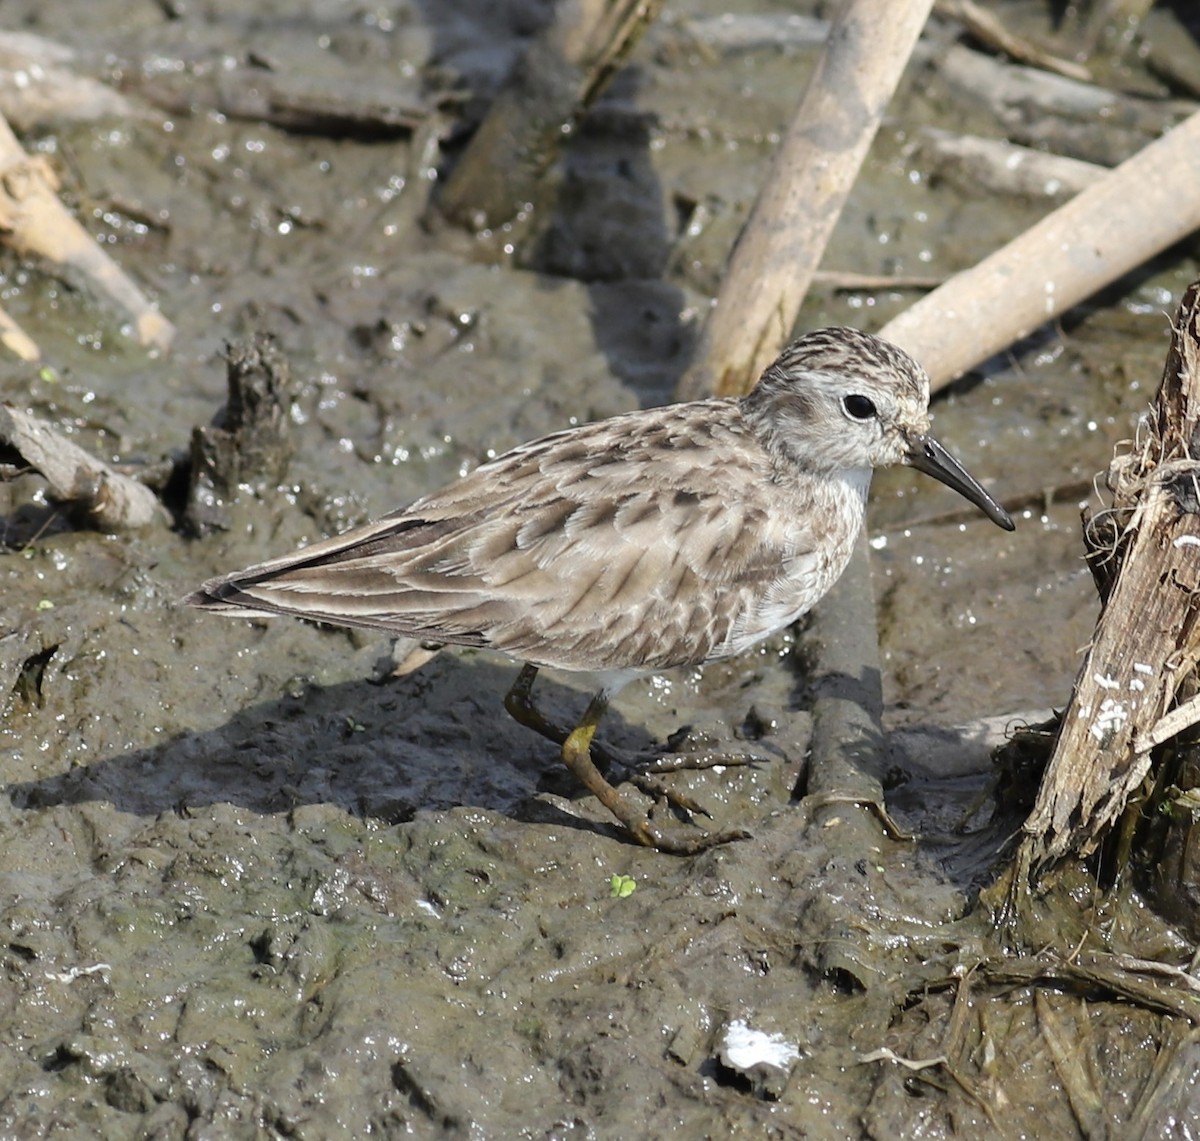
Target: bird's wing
(643,544)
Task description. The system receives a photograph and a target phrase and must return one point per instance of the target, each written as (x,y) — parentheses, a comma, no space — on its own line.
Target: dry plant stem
(986,27)
(1156,1112)
(115,502)
(561,73)
(1133,213)
(1170,725)
(799,204)
(33,221)
(1147,640)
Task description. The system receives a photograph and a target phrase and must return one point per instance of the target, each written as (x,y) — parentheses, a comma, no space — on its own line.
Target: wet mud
(257,885)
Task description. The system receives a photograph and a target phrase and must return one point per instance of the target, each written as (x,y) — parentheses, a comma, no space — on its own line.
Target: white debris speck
(878,543)
(1142,668)
(1186,541)
(1111,716)
(1105,682)
(73,973)
(743,1047)
(1136,684)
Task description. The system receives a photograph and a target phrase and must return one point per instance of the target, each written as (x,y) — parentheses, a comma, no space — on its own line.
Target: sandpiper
(661,538)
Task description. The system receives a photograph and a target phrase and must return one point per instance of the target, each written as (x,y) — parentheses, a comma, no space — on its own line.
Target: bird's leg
(519,703)
(577,756)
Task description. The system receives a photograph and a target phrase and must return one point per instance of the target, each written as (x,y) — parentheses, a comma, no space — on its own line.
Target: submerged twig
(846,681)
(38,85)
(350,107)
(1041,109)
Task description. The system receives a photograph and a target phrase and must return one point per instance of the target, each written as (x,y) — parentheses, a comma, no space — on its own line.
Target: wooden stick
(783,241)
(1005,168)
(1133,213)
(34,221)
(115,502)
(990,30)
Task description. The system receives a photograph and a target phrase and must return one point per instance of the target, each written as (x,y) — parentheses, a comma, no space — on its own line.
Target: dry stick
(798,206)
(997,166)
(561,73)
(836,279)
(1131,214)
(33,221)
(115,502)
(1008,91)
(990,30)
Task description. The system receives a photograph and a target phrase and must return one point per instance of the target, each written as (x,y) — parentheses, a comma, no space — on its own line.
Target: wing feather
(645,541)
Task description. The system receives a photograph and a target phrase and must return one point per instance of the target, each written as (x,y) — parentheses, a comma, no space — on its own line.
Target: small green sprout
(621,886)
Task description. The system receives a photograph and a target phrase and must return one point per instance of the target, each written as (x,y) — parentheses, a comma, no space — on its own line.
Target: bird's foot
(678,841)
(644,773)
(644,776)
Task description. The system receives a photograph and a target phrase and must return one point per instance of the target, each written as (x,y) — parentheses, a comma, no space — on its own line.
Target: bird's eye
(859,407)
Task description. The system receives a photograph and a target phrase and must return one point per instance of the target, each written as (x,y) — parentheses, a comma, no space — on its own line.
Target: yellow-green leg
(577,755)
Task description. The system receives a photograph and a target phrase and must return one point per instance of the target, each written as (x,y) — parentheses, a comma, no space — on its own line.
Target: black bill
(927,455)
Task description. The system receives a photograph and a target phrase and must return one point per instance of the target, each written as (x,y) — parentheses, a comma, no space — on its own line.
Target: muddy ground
(253,886)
